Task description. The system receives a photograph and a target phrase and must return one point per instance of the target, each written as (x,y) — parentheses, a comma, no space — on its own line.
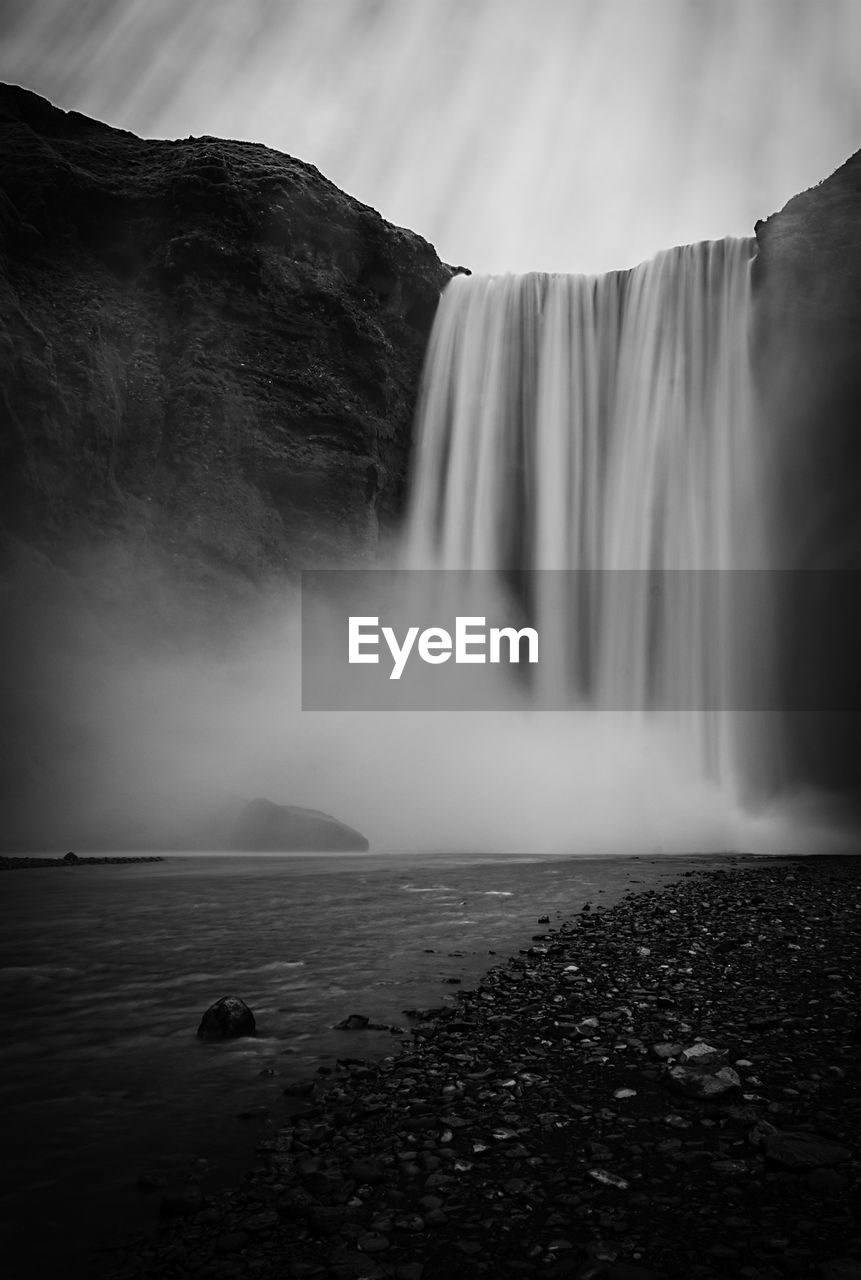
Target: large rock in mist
(206,348)
(286,828)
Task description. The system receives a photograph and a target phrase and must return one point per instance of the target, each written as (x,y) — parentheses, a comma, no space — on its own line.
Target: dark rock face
(807,359)
(803,1150)
(209,357)
(204,344)
(263,825)
(227,1019)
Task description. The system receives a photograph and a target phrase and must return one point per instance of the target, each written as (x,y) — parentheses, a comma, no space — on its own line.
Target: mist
(137,721)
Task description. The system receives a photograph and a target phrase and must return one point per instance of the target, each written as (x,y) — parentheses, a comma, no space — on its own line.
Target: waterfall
(605,424)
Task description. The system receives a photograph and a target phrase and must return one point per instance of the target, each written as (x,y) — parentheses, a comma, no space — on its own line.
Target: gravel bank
(666,1088)
(24,863)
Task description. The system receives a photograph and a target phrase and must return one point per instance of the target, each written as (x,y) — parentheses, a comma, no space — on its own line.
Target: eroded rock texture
(205,346)
(209,357)
(807,352)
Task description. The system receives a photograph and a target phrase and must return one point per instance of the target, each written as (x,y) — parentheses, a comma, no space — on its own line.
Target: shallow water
(105,972)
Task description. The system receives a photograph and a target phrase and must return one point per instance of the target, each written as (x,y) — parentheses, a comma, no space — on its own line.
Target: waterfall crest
(606,424)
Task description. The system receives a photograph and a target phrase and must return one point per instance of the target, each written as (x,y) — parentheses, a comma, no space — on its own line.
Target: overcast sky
(567,135)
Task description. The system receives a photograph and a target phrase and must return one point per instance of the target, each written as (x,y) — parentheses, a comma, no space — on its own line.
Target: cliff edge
(205,346)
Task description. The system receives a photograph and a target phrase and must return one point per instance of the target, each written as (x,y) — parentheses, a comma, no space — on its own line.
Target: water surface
(105,972)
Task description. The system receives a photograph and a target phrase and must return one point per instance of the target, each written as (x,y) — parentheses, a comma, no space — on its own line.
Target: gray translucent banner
(667,640)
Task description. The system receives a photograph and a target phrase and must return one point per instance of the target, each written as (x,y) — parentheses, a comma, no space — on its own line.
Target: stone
(263,1221)
(365,1172)
(628,1271)
(702,1083)
(765,1021)
(372,1242)
(326,1220)
(345,1264)
(840,1269)
(802,1150)
(354,1022)
(253,1113)
(827,1182)
(231,1242)
(700,1055)
(666,1050)
(299,1088)
(181,1202)
(227,1019)
(608,1179)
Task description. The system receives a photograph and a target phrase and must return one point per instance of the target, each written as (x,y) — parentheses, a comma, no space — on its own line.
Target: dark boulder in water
(264,825)
(355,1022)
(227,1019)
(182,1202)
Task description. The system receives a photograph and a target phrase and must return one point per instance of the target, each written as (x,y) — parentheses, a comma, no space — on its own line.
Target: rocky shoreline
(70,860)
(665,1088)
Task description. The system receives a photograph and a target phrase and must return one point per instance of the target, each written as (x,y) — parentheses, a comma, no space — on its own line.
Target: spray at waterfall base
(571,431)
(595,447)
(454,642)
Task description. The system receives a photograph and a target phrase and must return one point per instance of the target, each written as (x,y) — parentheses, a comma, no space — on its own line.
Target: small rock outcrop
(227,1019)
(355,1022)
(264,826)
(801,1150)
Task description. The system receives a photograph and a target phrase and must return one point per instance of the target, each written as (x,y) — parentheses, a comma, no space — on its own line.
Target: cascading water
(605,424)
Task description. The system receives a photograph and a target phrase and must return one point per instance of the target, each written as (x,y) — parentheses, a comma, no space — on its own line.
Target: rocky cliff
(807,349)
(807,362)
(205,347)
(209,357)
